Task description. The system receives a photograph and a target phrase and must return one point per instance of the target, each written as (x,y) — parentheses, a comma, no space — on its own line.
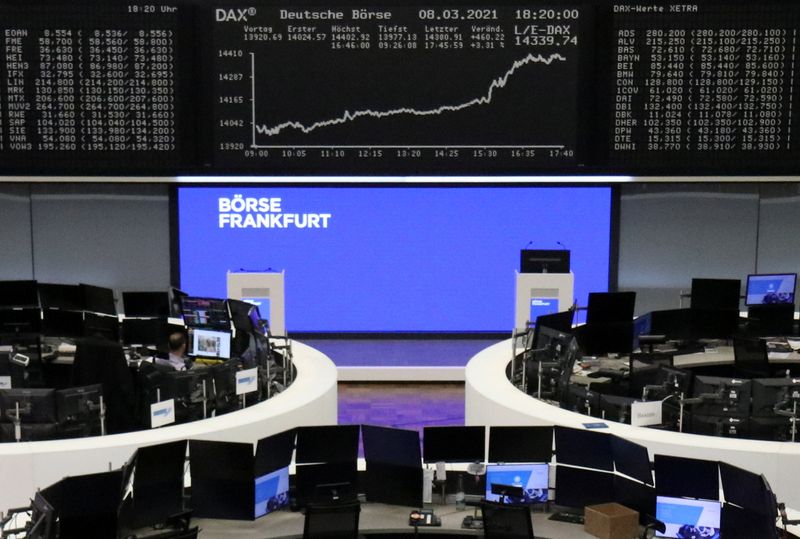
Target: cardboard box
(611,521)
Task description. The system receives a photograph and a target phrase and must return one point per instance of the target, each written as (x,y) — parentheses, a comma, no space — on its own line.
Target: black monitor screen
(205,312)
(722,396)
(675,380)
(98,299)
(610,307)
(222,479)
(392,484)
(454,444)
(769,393)
(635,495)
(57,323)
(578,488)
(79,403)
(520,444)
(716,294)
(631,459)
(584,448)
(35,405)
(770,289)
(144,332)
(326,483)
(335,443)
(745,489)
(616,408)
(559,322)
(243,315)
(146,304)
(158,482)
(544,261)
(603,339)
(396,447)
(67,297)
(692,478)
(18,294)
(274,452)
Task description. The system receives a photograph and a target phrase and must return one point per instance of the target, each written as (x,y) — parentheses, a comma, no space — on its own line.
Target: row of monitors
(231,480)
(196,311)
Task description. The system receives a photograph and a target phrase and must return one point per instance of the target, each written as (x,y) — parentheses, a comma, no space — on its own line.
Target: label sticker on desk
(596,425)
(247,381)
(5,382)
(162,413)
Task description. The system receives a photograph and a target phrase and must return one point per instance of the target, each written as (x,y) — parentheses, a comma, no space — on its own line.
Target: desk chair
(332,521)
(506,521)
(750,357)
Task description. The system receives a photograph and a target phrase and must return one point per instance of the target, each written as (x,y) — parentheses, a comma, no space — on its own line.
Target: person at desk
(177,352)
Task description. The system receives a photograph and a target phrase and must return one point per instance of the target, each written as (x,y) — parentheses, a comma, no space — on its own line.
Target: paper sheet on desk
(779,355)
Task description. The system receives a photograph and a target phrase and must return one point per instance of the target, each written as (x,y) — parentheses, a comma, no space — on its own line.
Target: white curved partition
(491,399)
(310,400)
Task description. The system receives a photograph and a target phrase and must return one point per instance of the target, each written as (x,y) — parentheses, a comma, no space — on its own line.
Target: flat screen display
(207,343)
(770,289)
(394,259)
(532,478)
(686,518)
(272,492)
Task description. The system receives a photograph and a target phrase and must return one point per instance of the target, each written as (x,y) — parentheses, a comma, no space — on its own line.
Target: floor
(404,405)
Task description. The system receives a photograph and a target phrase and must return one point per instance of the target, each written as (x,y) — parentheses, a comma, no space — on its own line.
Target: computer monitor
(606,338)
(146,304)
(711,425)
(330,443)
(274,452)
(770,289)
(18,294)
(393,484)
(686,477)
(561,322)
(78,404)
(533,479)
(144,331)
(396,447)
(244,316)
(676,381)
(544,261)
(771,394)
(205,312)
(186,387)
(770,320)
(631,459)
(686,517)
(67,297)
(728,397)
(43,519)
(716,294)
(29,432)
(101,325)
(576,488)
(616,408)
(98,299)
(746,489)
(775,428)
(158,474)
(581,399)
(583,448)
(224,376)
(57,323)
(27,320)
(453,444)
(35,405)
(210,344)
(271,491)
(520,444)
(610,307)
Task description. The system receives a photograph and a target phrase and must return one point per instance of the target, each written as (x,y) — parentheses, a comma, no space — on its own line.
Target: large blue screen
(393,259)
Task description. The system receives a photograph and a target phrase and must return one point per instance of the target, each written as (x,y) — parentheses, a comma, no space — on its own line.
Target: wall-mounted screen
(394,259)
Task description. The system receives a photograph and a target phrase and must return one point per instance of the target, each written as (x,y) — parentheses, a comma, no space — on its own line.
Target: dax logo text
(234,15)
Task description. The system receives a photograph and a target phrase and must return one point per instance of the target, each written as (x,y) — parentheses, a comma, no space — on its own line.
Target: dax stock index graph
(459,88)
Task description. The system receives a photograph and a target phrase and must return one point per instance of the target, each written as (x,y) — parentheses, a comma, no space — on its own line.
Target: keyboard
(572,518)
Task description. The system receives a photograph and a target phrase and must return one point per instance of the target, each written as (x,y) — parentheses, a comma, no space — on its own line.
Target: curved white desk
(310,400)
(491,399)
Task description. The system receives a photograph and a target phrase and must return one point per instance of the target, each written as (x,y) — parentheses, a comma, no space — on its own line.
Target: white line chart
(350,116)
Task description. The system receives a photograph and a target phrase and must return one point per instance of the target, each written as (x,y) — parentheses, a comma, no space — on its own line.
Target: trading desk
(377,519)
(491,399)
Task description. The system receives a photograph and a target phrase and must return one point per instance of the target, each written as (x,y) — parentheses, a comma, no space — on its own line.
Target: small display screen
(532,478)
(206,343)
(686,518)
(272,492)
(770,289)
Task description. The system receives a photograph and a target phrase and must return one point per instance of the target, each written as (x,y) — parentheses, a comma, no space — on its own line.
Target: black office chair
(750,357)
(332,521)
(506,521)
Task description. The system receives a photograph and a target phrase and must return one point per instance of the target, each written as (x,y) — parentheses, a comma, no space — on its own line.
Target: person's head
(177,343)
